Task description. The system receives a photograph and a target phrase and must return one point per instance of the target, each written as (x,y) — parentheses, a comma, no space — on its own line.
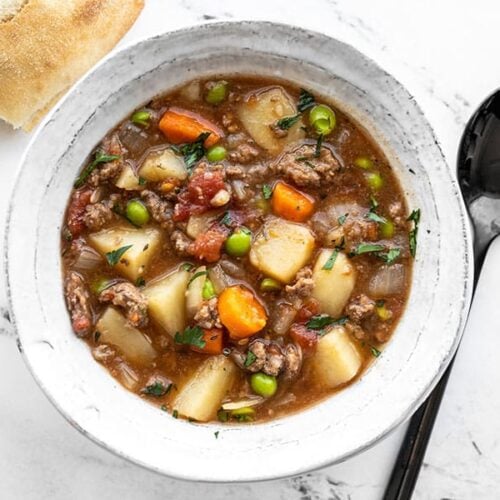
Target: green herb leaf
(376,218)
(390,256)
(193,151)
(306,100)
(267,191)
(375,352)
(373,203)
(287,121)
(319,142)
(250,359)
(319,321)
(328,265)
(191,336)
(412,235)
(175,414)
(366,248)
(226,219)
(99,157)
(114,256)
(157,389)
(140,281)
(141,117)
(187,266)
(142,181)
(197,275)
(342,219)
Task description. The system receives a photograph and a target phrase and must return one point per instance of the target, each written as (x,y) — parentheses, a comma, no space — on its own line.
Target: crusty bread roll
(45,45)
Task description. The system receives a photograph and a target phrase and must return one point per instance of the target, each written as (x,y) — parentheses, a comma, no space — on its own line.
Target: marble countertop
(446,54)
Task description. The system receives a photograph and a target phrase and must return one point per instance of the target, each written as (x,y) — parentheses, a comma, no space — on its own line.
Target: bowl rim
(311,465)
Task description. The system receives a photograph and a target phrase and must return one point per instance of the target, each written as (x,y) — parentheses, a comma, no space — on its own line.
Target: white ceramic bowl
(329,432)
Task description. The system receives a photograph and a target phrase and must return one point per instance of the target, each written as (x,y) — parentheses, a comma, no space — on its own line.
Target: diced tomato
(307,311)
(208,245)
(305,338)
(76,211)
(195,199)
(213,341)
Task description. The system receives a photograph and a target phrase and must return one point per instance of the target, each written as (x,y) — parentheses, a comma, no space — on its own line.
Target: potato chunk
(202,395)
(260,110)
(144,244)
(281,248)
(166,301)
(332,288)
(194,292)
(116,331)
(163,165)
(199,223)
(337,359)
(128,179)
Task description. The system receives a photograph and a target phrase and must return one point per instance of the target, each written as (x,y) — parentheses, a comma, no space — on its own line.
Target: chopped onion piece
(283,317)
(219,278)
(127,376)
(87,259)
(242,404)
(239,190)
(389,280)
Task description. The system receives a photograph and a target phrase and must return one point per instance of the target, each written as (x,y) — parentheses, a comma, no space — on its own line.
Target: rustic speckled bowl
(329,432)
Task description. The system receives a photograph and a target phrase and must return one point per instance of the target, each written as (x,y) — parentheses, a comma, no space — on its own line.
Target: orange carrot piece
(179,125)
(213,341)
(290,203)
(240,312)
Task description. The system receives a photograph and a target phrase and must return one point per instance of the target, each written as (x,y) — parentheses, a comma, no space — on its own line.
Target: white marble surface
(446,53)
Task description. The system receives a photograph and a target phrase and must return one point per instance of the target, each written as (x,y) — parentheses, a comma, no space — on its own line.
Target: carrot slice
(179,125)
(213,341)
(240,312)
(290,203)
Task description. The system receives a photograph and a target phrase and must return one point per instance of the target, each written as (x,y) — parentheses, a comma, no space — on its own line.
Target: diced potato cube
(199,223)
(281,248)
(202,395)
(332,288)
(128,179)
(115,330)
(260,110)
(337,359)
(194,292)
(163,165)
(166,301)
(145,243)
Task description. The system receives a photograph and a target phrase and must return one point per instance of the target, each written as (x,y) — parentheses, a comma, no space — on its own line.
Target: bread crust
(49,44)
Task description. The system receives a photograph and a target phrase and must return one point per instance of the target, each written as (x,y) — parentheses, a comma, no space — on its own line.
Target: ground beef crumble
(130,299)
(78,301)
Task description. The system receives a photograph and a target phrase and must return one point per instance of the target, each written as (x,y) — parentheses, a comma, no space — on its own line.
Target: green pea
(137,213)
(263,385)
(374,180)
(383,313)
(238,244)
(363,162)
(216,153)
(217,93)
(208,290)
(387,229)
(100,284)
(270,285)
(244,414)
(323,119)
(141,118)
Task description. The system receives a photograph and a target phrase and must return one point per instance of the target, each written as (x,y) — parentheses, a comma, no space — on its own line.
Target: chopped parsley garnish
(193,151)
(366,248)
(142,181)
(187,266)
(140,281)
(250,359)
(390,256)
(319,142)
(375,352)
(341,220)
(319,322)
(226,219)
(114,256)
(287,121)
(197,275)
(267,191)
(328,265)
(306,100)
(373,203)
(175,414)
(157,389)
(376,218)
(191,336)
(412,235)
(99,157)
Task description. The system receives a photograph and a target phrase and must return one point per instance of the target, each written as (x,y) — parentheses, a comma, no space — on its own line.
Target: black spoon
(478,170)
